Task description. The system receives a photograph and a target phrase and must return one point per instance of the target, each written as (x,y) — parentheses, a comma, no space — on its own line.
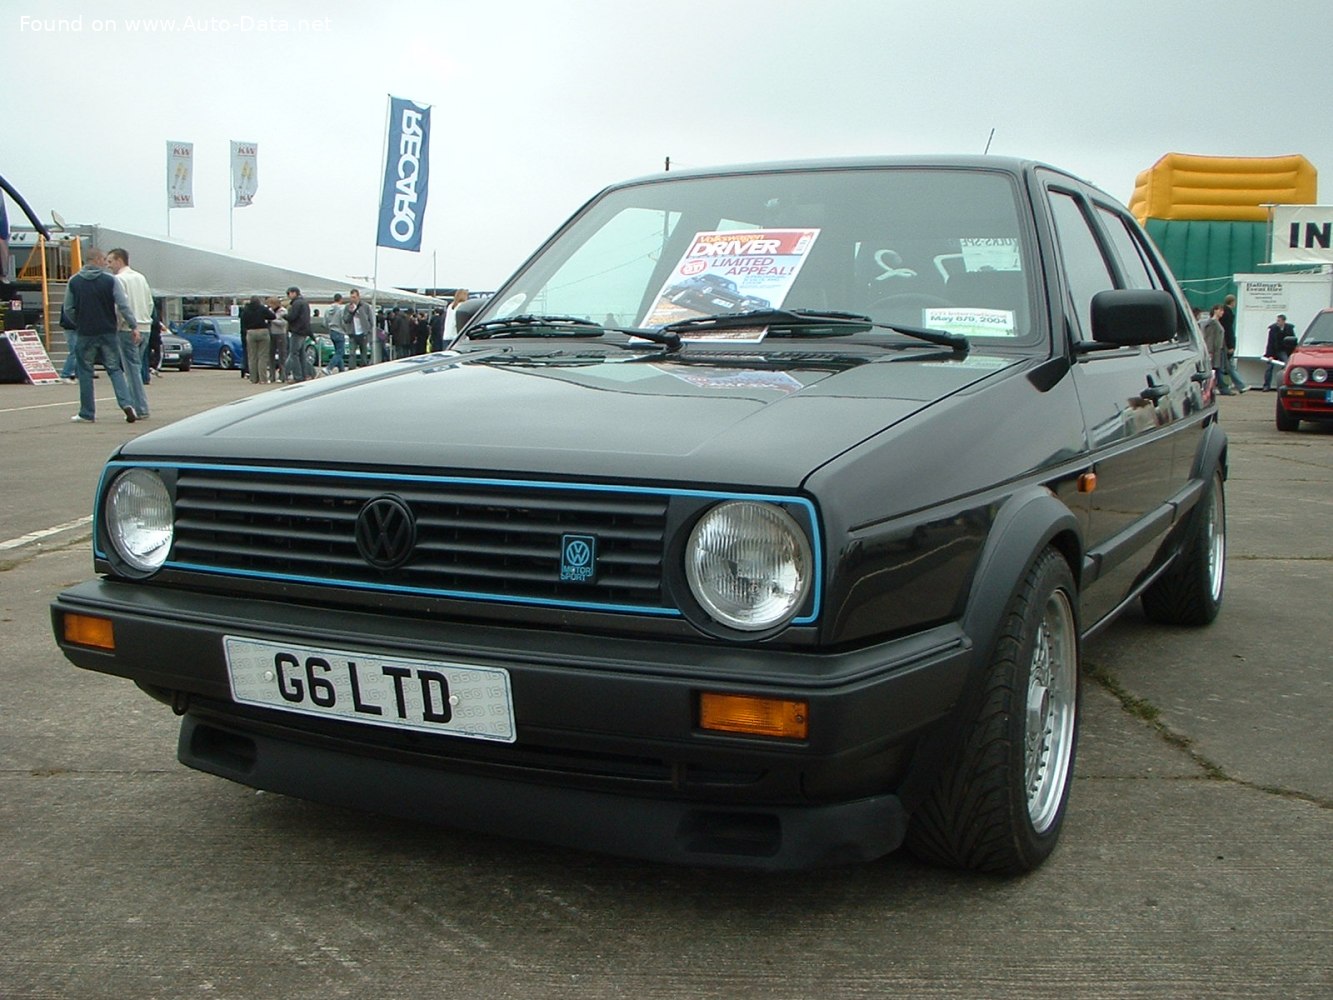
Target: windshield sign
(731,271)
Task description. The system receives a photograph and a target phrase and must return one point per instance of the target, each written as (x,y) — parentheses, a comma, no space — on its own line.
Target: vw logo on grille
(386,532)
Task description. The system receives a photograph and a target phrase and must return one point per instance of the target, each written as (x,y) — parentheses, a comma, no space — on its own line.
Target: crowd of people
(112,320)
(277,336)
(1218,326)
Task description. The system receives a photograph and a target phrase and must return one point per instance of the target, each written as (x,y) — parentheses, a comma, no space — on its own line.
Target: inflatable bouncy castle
(1209,214)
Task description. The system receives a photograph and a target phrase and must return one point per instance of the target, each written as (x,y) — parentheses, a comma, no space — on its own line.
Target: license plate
(425,696)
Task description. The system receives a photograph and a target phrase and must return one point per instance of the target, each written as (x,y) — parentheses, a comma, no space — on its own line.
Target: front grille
(474,539)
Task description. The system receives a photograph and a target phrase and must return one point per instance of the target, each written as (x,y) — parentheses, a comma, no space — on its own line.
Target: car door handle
(1154,392)
(1201,377)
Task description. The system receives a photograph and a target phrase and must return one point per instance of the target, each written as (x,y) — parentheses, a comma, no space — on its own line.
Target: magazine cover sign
(732,271)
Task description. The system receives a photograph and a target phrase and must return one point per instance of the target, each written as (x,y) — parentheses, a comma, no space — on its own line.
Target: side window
(1132,255)
(1085,266)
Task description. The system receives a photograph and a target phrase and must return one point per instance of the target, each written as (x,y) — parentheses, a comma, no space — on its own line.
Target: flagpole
(376,354)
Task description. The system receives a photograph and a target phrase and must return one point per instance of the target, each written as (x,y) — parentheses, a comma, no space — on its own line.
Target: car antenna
(988,142)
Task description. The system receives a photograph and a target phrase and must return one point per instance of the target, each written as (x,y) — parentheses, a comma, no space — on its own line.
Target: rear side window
(1132,255)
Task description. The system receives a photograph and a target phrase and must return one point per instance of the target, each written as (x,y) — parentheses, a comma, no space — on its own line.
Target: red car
(1306,392)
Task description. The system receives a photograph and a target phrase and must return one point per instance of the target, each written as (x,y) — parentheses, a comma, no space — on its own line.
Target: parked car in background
(1306,392)
(217,341)
(319,349)
(781,600)
(177,352)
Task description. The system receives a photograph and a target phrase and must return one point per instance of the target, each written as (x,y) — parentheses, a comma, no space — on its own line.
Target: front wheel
(1285,421)
(226,359)
(999,805)
(1190,591)
(184,365)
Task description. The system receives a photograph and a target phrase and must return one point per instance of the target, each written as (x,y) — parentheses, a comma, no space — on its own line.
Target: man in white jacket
(133,341)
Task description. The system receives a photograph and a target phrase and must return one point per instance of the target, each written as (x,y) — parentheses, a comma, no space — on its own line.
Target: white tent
(174,269)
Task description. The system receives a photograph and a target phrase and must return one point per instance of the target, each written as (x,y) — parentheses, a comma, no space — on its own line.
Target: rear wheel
(998,807)
(226,359)
(1190,592)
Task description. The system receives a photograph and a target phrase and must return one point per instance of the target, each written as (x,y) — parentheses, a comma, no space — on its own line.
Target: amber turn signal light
(751,716)
(85,630)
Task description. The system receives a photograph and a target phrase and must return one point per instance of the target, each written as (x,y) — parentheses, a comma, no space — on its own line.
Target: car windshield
(1320,331)
(937,249)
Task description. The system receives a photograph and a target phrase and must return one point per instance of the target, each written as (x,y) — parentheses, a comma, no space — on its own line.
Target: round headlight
(1298,376)
(749,564)
(1320,375)
(138,519)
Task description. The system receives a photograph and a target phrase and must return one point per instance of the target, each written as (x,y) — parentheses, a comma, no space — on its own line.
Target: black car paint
(931,496)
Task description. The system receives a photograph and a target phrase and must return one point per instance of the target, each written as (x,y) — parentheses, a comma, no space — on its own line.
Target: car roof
(1007,164)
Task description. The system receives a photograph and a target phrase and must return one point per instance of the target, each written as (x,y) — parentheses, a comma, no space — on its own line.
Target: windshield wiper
(811,323)
(529,325)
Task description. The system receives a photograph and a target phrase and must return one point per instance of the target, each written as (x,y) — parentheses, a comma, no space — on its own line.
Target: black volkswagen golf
(788,583)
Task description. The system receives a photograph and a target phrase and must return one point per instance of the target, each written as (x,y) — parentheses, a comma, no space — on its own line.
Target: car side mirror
(1289,343)
(464,312)
(1130,317)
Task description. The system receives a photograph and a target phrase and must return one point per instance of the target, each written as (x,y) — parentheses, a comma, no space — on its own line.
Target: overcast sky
(537,104)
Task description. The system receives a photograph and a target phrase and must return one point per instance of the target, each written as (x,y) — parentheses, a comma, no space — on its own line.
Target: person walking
(133,339)
(1228,321)
(298,333)
(255,320)
(1218,358)
(1277,349)
(337,333)
(93,300)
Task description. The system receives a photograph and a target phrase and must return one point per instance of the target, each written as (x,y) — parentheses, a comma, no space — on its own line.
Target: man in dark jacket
(298,333)
(400,334)
(92,299)
(1277,350)
(1228,321)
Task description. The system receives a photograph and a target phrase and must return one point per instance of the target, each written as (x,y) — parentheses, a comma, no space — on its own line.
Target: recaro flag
(180,174)
(406,176)
(244,172)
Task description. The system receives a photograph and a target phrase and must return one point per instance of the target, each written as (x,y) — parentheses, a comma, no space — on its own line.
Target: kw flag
(406,176)
(180,174)
(244,172)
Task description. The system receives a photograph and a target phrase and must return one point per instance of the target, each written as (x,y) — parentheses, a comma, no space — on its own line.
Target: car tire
(999,804)
(226,359)
(1190,591)
(184,366)
(1284,420)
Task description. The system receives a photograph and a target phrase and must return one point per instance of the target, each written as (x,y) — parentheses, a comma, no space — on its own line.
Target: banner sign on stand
(180,175)
(406,176)
(24,359)
(244,173)
(1302,234)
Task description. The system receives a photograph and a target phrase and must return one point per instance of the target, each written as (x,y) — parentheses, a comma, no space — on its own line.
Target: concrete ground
(1195,861)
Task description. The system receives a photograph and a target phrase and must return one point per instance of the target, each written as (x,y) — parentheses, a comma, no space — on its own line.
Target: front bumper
(1308,402)
(609,754)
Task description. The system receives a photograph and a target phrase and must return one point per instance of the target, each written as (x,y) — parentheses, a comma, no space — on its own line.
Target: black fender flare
(1025,525)
(1212,453)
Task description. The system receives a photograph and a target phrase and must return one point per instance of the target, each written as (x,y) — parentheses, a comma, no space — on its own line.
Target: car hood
(762,420)
(1312,356)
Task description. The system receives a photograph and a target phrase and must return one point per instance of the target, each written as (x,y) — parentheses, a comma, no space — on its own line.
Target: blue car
(217,341)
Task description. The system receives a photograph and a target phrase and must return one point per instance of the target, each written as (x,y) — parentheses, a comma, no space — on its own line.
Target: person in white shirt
(133,341)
